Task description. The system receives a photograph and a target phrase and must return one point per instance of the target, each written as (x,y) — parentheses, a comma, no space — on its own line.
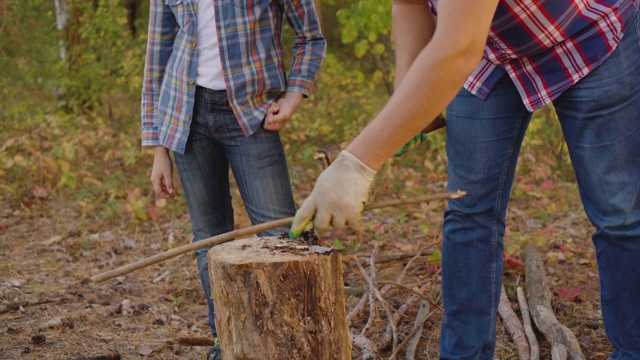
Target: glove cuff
(355,163)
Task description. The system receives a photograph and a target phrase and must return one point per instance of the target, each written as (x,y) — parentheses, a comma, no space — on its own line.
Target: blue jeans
(216,143)
(600,119)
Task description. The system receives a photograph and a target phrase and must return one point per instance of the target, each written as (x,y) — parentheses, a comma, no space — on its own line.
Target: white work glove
(337,198)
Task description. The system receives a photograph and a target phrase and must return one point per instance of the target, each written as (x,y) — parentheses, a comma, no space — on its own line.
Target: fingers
(157,185)
(273,125)
(163,186)
(278,115)
(302,219)
(168,184)
(275,121)
(321,221)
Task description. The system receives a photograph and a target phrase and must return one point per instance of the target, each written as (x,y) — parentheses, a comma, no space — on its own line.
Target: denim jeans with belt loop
(600,119)
(216,143)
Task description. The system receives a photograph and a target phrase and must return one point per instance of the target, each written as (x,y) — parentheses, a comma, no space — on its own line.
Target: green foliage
(103,58)
(367,25)
(544,151)
(28,57)
(344,102)
(90,153)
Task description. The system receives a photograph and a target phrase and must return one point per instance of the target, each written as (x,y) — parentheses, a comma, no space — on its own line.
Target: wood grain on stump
(277,298)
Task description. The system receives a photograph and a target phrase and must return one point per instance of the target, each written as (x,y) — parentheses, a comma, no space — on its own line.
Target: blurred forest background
(75,198)
(70,84)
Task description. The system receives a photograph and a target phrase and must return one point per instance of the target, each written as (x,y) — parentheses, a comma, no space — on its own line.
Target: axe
(326,155)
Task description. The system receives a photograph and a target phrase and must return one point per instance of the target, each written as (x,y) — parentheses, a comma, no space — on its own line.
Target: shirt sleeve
(309,47)
(162,31)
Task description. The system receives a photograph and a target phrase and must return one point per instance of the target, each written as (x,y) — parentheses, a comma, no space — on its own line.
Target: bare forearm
(432,81)
(413,27)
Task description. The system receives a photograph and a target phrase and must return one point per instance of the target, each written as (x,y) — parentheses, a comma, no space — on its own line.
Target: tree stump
(277,298)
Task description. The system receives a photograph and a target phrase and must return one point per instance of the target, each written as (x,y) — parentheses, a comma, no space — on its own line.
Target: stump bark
(279,299)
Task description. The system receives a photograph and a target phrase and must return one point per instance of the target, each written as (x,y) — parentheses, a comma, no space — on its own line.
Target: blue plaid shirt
(250,42)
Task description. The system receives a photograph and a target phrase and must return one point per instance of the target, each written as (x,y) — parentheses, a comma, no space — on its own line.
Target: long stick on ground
(526,323)
(513,326)
(248,231)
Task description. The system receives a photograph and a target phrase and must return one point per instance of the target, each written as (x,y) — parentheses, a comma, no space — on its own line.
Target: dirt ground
(49,309)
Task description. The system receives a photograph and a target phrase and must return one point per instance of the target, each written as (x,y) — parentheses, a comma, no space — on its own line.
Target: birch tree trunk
(62,25)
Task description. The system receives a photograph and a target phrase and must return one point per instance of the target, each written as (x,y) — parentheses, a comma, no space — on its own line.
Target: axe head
(326,155)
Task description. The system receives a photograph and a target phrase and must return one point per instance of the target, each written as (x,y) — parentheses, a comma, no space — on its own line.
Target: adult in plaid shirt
(216,93)
(489,64)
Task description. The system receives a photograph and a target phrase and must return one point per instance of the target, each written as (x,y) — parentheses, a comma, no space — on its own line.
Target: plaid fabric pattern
(547,46)
(250,38)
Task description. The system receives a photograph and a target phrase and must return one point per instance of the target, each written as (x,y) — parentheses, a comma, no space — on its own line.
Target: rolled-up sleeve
(309,47)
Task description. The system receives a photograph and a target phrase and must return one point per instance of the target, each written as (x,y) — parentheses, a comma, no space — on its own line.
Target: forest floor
(49,248)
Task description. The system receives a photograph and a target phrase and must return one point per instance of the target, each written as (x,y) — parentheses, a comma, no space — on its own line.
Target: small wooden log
(526,323)
(279,299)
(564,344)
(513,326)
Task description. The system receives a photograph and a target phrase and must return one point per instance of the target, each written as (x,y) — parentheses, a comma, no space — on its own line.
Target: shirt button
(188,117)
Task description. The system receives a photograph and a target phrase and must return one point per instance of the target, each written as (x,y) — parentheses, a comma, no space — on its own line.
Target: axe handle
(436,124)
(251,230)
(325,156)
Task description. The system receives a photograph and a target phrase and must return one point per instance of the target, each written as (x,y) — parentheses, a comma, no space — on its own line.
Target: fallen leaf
(432,269)
(436,256)
(40,192)
(511,261)
(54,323)
(547,185)
(52,240)
(403,246)
(569,294)
(144,349)
(14,283)
(548,231)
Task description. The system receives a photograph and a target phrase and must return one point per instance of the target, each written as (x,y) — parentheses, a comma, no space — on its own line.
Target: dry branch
(197,341)
(16,306)
(368,347)
(412,345)
(526,323)
(564,344)
(513,326)
(406,340)
(248,231)
(372,304)
(112,356)
(387,308)
(358,308)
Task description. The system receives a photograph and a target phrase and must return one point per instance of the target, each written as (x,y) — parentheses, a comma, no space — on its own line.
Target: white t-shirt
(209,65)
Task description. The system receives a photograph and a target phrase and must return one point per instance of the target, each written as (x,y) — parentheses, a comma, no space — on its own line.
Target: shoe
(215,353)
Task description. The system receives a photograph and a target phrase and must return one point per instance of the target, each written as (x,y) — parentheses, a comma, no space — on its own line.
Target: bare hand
(281,111)
(162,173)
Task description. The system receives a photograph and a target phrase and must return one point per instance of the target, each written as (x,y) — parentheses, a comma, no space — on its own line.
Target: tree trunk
(279,299)
(134,8)
(61,24)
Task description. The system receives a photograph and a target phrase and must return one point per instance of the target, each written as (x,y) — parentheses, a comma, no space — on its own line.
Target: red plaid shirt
(547,46)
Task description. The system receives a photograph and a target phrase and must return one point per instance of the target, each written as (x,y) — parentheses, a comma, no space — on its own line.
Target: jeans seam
(494,240)
(635,18)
